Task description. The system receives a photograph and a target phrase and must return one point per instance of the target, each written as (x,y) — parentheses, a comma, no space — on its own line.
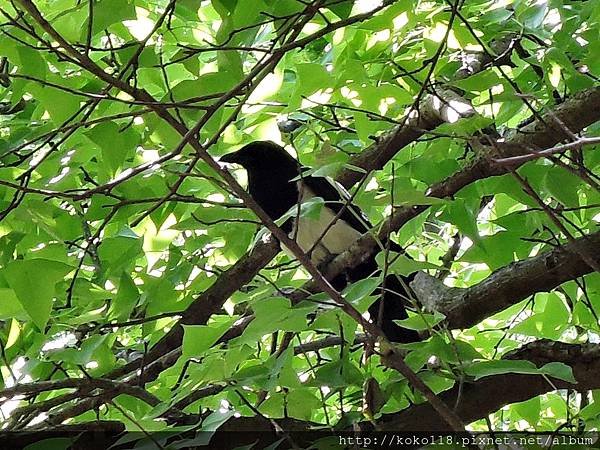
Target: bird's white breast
(339,237)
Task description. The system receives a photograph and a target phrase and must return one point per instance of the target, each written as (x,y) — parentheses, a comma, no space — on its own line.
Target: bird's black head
(262,156)
(270,171)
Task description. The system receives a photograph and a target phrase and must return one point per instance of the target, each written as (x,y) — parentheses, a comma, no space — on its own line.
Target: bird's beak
(230,158)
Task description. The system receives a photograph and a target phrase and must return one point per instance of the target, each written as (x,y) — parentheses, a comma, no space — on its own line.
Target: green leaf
(559,370)
(116,144)
(108,12)
(275,313)
(125,300)
(91,349)
(479,82)
(406,197)
(199,338)
(532,16)
(496,250)
(302,403)
(529,410)
(224,6)
(61,106)
(326,170)
(311,209)
(118,253)
(215,420)
(563,185)
(488,368)
(273,406)
(421,321)
(497,15)
(32,62)
(401,264)
(463,214)
(33,282)
(357,291)
(342,10)
(311,78)
(341,373)
(550,324)
(10,306)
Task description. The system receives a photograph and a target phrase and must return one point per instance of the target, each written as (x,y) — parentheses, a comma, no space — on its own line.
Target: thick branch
(90,435)
(85,385)
(489,394)
(465,307)
(477,399)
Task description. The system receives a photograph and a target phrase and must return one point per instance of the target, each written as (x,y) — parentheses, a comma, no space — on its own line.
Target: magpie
(279,184)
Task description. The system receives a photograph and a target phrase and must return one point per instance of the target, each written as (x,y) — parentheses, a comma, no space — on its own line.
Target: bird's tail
(392,302)
(392,306)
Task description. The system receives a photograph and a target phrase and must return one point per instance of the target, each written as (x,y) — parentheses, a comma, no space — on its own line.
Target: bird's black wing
(336,199)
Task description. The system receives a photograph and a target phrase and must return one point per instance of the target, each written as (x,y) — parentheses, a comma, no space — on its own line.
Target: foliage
(112,226)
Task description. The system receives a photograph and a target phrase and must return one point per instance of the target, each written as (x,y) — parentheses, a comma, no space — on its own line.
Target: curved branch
(489,394)
(465,307)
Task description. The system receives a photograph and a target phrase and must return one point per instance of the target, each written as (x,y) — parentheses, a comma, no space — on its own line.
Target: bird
(279,184)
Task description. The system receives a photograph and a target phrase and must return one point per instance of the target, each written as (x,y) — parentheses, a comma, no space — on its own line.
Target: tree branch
(478,399)
(489,394)
(465,307)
